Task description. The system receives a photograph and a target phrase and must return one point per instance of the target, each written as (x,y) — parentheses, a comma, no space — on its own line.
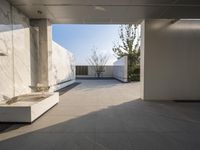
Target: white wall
(170,60)
(120,69)
(15,76)
(18,55)
(63,67)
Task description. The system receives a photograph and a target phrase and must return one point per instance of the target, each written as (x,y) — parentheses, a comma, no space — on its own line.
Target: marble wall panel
(22,55)
(63,65)
(6,51)
(14,52)
(19,53)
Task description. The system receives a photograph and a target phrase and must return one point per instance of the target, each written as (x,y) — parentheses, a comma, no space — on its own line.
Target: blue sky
(80,39)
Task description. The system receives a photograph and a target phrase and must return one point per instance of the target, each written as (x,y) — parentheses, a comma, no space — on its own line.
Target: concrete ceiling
(108,11)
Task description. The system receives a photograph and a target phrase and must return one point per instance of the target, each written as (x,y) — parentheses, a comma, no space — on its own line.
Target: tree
(98,61)
(129,46)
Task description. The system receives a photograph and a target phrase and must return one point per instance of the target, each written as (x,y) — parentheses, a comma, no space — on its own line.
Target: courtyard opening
(105,56)
(47,101)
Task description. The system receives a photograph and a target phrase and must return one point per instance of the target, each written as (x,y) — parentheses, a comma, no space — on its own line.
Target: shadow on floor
(66,89)
(134,125)
(7,127)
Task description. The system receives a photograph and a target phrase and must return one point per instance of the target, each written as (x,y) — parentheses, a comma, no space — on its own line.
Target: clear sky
(80,39)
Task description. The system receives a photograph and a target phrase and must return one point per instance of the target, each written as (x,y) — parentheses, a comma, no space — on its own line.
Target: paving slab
(108,115)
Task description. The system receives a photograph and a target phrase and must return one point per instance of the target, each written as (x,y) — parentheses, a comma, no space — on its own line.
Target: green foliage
(130,46)
(134,73)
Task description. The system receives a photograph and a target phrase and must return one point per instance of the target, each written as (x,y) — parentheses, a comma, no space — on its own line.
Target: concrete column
(170,59)
(44,53)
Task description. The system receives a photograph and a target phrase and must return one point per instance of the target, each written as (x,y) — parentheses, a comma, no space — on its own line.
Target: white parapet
(27,109)
(63,67)
(120,70)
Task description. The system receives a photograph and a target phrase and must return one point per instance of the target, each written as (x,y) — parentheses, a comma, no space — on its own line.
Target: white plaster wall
(108,72)
(120,69)
(14,52)
(171,58)
(63,67)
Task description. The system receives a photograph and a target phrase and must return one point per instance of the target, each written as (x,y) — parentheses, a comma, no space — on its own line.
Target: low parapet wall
(120,69)
(89,72)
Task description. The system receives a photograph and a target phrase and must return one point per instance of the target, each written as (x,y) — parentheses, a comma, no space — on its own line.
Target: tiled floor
(108,115)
